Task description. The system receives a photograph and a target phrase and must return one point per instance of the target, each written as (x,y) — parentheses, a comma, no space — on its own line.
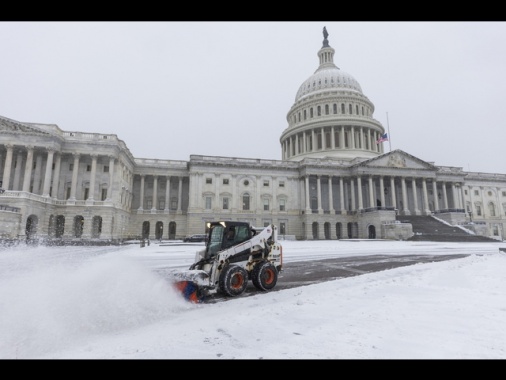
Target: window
(161,204)
(465,192)
(173,203)
(478,210)
(350,109)
(86,193)
(311,112)
(71,167)
(266,182)
(342,108)
(208,203)
(225,181)
(88,168)
(491,209)
(489,193)
(281,183)
(53,166)
(68,193)
(326,109)
(246,183)
(106,169)
(35,165)
(225,203)
(282,204)
(245,201)
(104,194)
(319,110)
(504,193)
(476,192)
(335,108)
(209,180)
(266,205)
(305,115)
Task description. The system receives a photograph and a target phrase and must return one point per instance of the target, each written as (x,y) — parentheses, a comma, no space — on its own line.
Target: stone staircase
(427,228)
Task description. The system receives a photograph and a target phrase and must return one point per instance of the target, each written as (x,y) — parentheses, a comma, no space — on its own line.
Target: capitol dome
(331,117)
(326,78)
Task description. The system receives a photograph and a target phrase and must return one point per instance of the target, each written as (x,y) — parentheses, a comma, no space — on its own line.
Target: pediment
(397,159)
(12,126)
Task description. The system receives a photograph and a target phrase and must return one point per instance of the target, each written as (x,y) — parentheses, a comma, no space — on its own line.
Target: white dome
(325,79)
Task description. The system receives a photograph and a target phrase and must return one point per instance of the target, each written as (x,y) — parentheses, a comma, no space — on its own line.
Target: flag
(382,138)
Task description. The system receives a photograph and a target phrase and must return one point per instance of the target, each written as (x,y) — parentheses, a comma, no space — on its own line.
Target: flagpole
(389,135)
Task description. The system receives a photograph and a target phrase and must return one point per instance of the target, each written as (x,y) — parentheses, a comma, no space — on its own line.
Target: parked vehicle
(195,238)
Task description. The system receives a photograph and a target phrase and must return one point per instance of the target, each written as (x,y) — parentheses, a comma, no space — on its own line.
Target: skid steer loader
(235,253)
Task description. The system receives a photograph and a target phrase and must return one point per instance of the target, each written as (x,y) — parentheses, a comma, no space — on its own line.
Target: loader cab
(223,235)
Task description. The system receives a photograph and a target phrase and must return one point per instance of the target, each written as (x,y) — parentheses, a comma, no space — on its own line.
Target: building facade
(334,180)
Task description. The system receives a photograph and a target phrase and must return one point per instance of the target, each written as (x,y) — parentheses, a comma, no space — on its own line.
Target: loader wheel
(233,280)
(264,276)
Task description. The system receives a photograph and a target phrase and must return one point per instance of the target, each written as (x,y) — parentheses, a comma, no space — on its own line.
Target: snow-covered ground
(111,302)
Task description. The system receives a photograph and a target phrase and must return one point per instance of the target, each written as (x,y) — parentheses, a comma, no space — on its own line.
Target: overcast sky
(173,89)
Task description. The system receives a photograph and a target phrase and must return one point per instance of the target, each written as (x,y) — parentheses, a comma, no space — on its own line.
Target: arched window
(319,110)
(356,109)
(335,108)
(350,109)
(342,108)
(311,112)
(326,109)
(305,115)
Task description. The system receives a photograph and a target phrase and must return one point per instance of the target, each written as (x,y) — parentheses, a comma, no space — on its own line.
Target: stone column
(47,175)
(111,177)
(352,132)
(37,175)
(180,196)
(141,201)
(17,172)
(352,191)
(308,205)
(382,192)
(333,139)
(415,196)
(167,194)
(359,192)
(7,167)
(341,196)
(319,194)
(75,173)
(445,197)
(93,174)
(372,203)
(56,177)
(434,191)
(155,193)
(426,210)
(331,196)
(455,197)
(28,168)
(342,144)
(405,210)
(392,190)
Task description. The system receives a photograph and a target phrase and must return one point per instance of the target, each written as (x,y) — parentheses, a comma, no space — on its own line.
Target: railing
(56,202)
(447,210)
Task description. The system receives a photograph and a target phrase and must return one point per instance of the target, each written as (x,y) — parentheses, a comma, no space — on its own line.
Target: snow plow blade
(192,285)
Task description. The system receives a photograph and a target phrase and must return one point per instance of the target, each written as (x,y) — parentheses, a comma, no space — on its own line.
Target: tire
(264,276)
(233,280)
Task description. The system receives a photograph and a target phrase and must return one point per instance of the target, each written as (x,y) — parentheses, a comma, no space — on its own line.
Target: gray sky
(172,89)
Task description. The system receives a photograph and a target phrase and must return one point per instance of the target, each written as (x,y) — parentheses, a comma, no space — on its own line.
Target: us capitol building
(334,180)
